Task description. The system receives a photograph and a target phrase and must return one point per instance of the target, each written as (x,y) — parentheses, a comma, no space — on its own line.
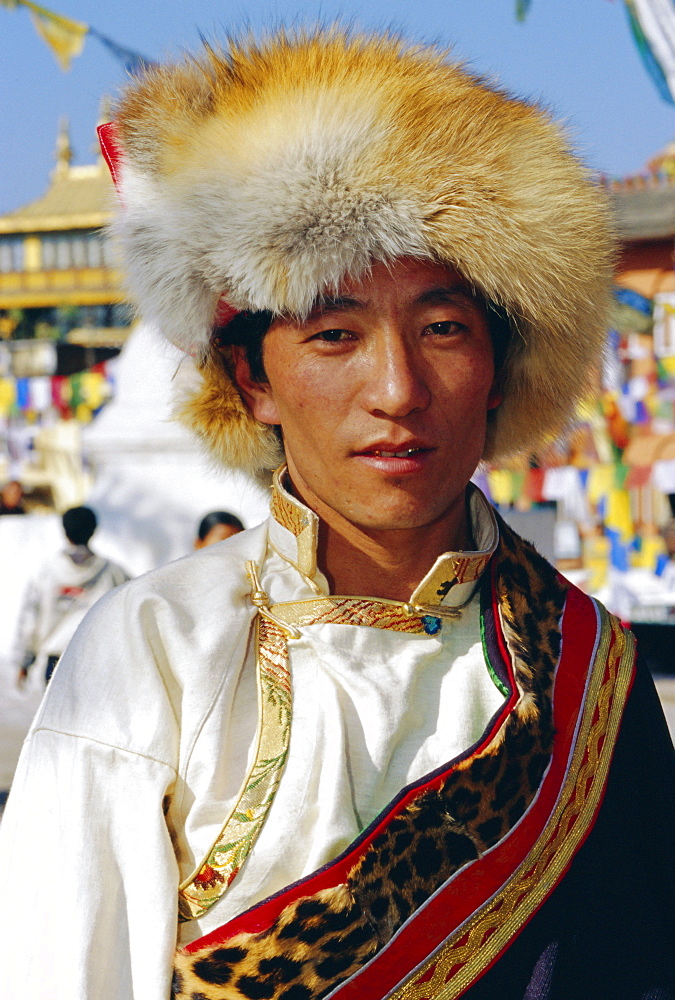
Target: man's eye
(445,328)
(333,336)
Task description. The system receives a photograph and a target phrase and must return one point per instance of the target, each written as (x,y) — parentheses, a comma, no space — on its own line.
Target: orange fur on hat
(269,172)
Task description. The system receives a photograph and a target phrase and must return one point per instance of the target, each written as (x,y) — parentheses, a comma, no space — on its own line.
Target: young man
(370,748)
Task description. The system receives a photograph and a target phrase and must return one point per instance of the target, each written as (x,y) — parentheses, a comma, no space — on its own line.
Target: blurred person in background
(216,526)
(11,498)
(59,596)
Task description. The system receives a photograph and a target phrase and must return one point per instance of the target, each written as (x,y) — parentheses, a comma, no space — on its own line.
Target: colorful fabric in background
(633,300)
(611,473)
(80,395)
(64,36)
(522,9)
(652,24)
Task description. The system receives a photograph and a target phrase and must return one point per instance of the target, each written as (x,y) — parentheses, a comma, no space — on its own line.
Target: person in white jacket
(59,596)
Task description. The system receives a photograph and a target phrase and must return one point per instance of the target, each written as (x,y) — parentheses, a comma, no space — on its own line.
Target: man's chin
(410,518)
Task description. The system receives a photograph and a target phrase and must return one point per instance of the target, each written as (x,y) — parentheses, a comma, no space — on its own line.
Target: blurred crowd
(70,581)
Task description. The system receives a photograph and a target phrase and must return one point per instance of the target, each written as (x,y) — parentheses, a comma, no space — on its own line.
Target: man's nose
(396,380)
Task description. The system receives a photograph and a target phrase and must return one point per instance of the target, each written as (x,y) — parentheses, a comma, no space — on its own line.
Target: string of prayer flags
(82,394)
(66,36)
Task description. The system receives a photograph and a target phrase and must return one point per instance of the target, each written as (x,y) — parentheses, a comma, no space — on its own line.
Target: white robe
(154,704)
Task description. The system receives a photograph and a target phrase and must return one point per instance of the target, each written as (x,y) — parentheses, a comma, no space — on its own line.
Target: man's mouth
(393,458)
(404,453)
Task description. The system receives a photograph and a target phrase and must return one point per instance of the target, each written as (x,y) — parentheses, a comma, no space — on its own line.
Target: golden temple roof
(77,197)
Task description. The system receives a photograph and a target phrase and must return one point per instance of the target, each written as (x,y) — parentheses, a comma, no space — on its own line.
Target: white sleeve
(88,874)
(26,639)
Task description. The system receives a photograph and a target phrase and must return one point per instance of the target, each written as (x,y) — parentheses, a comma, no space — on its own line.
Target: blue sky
(575,56)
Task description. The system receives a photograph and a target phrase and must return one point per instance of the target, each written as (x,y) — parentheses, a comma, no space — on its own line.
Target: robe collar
(451,580)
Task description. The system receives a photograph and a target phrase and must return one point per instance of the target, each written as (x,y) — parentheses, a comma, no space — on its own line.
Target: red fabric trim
(225,313)
(113,156)
(262,917)
(476,884)
(111,149)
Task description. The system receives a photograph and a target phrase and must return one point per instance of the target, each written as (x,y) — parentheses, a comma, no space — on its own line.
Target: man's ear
(258,395)
(496,395)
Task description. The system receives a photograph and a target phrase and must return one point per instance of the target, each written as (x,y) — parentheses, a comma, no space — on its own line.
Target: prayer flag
(652,23)
(64,36)
(7,395)
(618,551)
(618,515)
(522,9)
(22,393)
(501,486)
(600,482)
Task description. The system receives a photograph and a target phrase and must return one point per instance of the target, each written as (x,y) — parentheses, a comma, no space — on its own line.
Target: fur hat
(263,175)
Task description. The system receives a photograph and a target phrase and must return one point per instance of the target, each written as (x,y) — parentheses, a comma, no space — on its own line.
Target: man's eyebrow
(335,303)
(451,294)
(442,294)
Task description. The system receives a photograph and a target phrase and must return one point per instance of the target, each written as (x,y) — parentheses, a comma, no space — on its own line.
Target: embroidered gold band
(241,829)
(359,611)
(472,948)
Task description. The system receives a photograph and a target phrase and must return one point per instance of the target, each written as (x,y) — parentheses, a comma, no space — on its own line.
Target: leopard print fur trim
(320,940)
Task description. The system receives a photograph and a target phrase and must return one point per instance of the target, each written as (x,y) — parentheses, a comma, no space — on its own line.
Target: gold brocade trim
(302,522)
(474,946)
(291,516)
(240,831)
(359,611)
(451,570)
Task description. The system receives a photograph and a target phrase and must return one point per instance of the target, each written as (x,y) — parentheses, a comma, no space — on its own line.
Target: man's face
(382,396)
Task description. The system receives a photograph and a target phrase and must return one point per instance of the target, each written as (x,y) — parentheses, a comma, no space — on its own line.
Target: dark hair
(248,330)
(217,517)
(501,332)
(79,524)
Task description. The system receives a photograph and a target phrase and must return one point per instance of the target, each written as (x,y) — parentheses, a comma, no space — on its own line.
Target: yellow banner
(64,36)
(618,515)
(500,482)
(600,482)
(7,395)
